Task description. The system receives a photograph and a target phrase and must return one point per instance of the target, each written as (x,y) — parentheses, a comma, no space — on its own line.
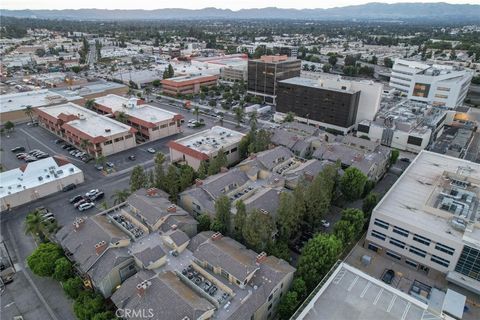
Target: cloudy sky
(192,4)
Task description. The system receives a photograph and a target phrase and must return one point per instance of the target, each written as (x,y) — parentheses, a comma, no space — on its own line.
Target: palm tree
(196,111)
(89,104)
(29,112)
(34,225)
(239,114)
(101,159)
(120,196)
(85,144)
(121,117)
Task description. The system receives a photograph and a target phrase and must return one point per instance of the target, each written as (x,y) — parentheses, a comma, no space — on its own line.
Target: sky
(193,4)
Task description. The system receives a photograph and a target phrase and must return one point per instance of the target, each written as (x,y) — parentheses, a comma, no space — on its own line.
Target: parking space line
(365,290)
(407,308)
(353,283)
(378,296)
(339,276)
(391,303)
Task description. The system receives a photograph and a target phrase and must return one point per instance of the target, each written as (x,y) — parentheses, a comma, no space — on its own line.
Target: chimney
(217,235)
(174,227)
(152,192)
(172,208)
(261,257)
(100,247)
(198,182)
(142,287)
(223,169)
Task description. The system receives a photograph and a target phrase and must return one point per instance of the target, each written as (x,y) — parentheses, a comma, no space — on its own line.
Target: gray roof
(111,258)
(271,158)
(167,296)
(266,199)
(149,255)
(178,236)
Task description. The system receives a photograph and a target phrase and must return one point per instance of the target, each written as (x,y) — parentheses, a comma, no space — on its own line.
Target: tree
(352,183)
(350,225)
(394,156)
(287,305)
(317,257)
(120,196)
(101,160)
(332,60)
(253,122)
(239,115)
(171,72)
(138,179)
(388,62)
(85,144)
(159,171)
(172,183)
(300,287)
(349,70)
(63,269)
(374,60)
(73,287)
(89,104)
(106,315)
(121,117)
(313,68)
(187,175)
(88,304)
(29,112)
(239,220)
(327,67)
(9,125)
(258,230)
(222,215)
(369,203)
(204,222)
(287,217)
(202,170)
(156,83)
(35,226)
(217,163)
(289,117)
(42,260)
(196,111)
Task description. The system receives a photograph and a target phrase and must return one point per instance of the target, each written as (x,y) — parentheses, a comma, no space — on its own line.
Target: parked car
(132,157)
(43,156)
(30,159)
(33,151)
(99,167)
(151,150)
(109,164)
(92,192)
(73,151)
(405,160)
(97,196)
(21,155)
(58,141)
(75,199)
(47,215)
(18,149)
(388,276)
(79,202)
(65,146)
(49,219)
(69,187)
(86,206)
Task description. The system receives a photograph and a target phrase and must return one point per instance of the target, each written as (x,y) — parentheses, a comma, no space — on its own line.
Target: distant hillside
(369,11)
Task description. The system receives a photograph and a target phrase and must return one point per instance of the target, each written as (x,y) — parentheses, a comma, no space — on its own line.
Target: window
(441,96)
(440,261)
(422,240)
(469,263)
(421,90)
(418,252)
(128,136)
(378,235)
(397,243)
(414,140)
(411,263)
(444,248)
(118,139)
(400,231)
(381,224)
(270,297)
(234,150)
(270,306)
(155,128)
(393,255)
(107,142)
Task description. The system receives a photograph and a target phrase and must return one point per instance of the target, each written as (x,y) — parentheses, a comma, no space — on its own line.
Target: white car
(192,124)
(325,223)
(151,150)
(192,121)
(92,192)
(86,206)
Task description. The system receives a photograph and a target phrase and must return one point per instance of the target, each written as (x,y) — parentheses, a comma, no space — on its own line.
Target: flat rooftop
(87,121)
(189,78)
(37,98)
(145,112)
(35,174)
(317,84)
(349,293)
(211,140)
(436,192)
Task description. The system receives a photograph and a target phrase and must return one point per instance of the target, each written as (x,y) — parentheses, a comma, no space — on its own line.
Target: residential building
(36,180)
(264,73)
(205,145)
(428,220)
(189,84)
(439,85)
(95,134)
(151,123)
(329,102)
(348,291)
(405,125)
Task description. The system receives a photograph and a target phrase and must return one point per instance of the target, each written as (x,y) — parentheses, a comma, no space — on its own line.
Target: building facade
(187,84)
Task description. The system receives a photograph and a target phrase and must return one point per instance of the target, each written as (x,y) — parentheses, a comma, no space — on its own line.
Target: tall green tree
(349,226)
(202,171)
(394,156)
(258,230)
(9,126)
(171,72)
(87,305)
(187,175)
(172,183)
(369,203)
(204,222)
(287,305)
(222,221)
(196,111)
(35,226)
(120,196)
(318,256)
(138,179)
(352,183)
(121,117)
(72,287)
(239,115)
(239,220)
(63,269)
(42,260)
(89,104)
(29,112)
(159,171)
(288,218)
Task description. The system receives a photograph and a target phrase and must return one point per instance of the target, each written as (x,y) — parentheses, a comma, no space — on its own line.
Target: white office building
(429,219)
(439,85)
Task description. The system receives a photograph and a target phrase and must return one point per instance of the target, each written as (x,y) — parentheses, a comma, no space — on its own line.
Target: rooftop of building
(35,174)
(189,78)
(132,107)
(319,84)
(37,98)
(274,59)
(211,140)
(87,121)
(348,291)
(438,193)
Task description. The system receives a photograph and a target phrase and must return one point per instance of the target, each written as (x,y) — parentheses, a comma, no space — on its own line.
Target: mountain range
(370,11)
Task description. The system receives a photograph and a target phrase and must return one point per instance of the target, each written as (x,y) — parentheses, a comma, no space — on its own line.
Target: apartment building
(85,129)
(429,219)
(205,145)
(189,84)
(439,85)
(151,123)
(264,73)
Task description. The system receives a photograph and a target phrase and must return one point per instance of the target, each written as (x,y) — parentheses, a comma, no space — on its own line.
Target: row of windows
(397,243)
(469,263)
(440,261)
(418,252)
(378,235)
(400,231)
(381,223)
(422,240)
